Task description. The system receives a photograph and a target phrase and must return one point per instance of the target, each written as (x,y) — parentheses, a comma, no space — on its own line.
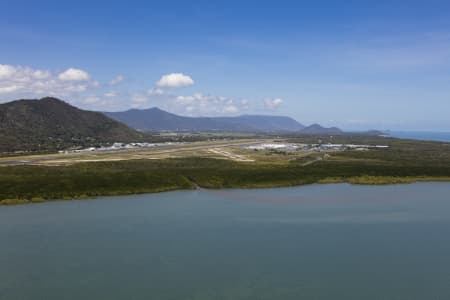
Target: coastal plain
(220,163)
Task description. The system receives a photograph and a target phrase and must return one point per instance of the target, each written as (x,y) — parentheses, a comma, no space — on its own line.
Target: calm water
(422,135)
(313,242)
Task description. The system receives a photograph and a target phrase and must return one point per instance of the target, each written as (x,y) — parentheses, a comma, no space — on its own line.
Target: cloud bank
(18,81)
(200,104)
(76,86)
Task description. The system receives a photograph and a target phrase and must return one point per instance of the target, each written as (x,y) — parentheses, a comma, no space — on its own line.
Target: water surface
(313,242)
(439,136)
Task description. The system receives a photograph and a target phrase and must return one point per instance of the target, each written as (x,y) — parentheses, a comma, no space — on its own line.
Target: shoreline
(359,180)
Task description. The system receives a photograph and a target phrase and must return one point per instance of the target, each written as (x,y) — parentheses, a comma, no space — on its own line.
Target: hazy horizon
(358,66)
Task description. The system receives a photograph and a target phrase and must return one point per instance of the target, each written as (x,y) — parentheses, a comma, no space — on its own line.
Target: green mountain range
(52,124)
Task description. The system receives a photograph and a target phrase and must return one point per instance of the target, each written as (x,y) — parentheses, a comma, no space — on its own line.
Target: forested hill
(50,124)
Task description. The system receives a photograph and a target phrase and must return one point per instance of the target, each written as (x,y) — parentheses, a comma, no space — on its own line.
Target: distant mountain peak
(315,125)
(51,100)
(319,129)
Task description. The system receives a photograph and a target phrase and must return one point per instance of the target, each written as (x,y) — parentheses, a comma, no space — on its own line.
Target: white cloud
(201,104)
(175,80)
(21,74)
(9,89)
(22,82)
(116,80)
(273,103)
(6,71)
(41,74)
(230,109)
(72,74)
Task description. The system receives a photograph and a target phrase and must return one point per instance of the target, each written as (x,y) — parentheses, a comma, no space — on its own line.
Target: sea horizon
(439,136)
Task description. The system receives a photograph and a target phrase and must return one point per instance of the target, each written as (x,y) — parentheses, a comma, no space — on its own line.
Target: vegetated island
(403,161)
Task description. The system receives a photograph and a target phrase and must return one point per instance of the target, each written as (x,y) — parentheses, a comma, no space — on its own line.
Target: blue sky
(354,64)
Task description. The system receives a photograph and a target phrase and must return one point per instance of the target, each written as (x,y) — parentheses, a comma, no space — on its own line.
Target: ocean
(422,135)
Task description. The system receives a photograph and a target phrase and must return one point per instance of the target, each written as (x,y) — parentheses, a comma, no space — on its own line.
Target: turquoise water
(313,242)
(422,135)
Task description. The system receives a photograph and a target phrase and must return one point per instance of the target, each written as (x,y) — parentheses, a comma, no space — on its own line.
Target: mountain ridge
(156,119)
